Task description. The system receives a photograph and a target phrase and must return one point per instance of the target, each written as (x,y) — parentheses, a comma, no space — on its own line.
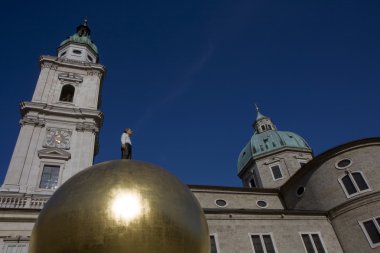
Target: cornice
(232,190)
(263,211)
(354,204)
(32,120)
(45,109)
(52,62)
(54,153)
(18,238)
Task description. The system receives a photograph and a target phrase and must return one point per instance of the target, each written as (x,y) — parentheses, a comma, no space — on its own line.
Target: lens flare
(126,206)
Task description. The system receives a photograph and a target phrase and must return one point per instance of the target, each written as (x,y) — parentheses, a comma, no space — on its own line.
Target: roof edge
(233,189)
(264,211)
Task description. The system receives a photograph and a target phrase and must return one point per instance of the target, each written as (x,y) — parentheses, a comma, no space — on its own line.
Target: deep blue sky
(185,74)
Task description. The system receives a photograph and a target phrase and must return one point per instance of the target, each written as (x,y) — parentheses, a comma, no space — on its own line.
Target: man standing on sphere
(126,144)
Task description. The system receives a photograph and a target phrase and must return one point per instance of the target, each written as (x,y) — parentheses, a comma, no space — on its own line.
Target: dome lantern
(262,123)
(79,46)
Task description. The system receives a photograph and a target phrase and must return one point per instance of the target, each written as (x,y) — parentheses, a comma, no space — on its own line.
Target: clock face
(59,138)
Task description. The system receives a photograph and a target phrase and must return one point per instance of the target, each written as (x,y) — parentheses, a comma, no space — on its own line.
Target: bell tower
(60,125)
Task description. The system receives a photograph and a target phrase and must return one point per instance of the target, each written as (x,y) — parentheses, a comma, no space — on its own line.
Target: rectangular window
(313,243)
(263,243)
(252,182)
(349,185)
(16,248)
(371,230)
(354,183)
(213,244)
(360,182)
(276,172)
(49,177)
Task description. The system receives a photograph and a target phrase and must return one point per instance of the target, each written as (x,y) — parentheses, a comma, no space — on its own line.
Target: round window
(221,202)
(261,203)
(342,164)
(300,191)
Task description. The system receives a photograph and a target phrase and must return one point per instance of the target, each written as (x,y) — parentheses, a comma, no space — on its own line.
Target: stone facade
(58,137)
(289,161)
(55,130)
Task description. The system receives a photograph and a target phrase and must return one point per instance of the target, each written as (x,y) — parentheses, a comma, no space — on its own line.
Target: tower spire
(257,108)
(259,115)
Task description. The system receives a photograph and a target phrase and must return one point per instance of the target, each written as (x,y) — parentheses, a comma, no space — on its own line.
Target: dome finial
(85,21)
(259,115)
(257,108)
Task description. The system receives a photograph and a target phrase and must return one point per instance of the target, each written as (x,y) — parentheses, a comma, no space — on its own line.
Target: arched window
(67,93)
(354,183)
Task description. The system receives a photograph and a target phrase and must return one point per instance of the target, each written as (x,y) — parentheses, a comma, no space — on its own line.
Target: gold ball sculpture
(121,206)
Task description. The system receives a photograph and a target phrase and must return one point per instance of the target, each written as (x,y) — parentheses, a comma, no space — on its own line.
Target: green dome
(269,141)
(81,40)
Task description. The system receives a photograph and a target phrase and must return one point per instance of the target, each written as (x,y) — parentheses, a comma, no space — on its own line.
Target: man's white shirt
(125,139)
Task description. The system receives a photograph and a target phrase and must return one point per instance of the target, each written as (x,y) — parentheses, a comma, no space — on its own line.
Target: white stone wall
(346,223)
(237,199)
(57,73)
(233,231)
(80,118)
(323,191)
(78,52)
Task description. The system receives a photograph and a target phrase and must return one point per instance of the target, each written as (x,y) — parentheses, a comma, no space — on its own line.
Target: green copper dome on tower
(267,139)
(82,36)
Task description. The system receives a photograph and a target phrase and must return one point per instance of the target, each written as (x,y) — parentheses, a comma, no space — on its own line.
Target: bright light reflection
(126,206)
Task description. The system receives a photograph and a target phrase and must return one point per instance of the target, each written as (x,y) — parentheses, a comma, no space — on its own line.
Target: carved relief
(49,65)
(66,78)
(94,73)
(32,120)
(57,138)
(54,153)
(90,127)
(65,60)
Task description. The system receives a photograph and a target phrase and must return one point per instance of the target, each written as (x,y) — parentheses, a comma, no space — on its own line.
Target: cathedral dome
(267,139)
(267,142)
(121,206)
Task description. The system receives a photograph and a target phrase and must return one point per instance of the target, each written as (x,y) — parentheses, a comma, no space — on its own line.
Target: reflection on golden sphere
(121,207)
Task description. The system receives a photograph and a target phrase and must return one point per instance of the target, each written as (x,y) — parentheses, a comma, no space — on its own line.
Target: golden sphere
(121,206)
